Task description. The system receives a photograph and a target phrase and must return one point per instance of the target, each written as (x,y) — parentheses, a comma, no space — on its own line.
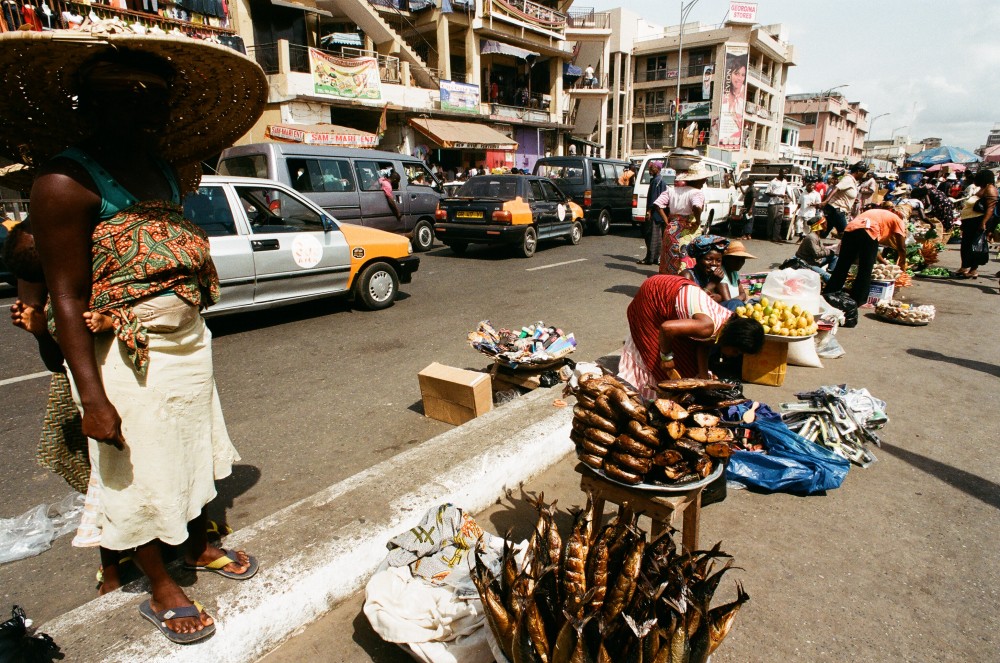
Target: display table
(659,507)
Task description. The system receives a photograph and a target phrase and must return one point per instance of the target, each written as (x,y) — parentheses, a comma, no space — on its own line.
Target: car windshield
(486,187)
(647,176)
(562,173)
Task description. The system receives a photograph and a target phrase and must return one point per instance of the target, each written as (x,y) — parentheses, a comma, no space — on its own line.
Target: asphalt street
(314,393)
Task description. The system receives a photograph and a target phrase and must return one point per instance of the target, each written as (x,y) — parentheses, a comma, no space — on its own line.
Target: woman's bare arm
(62,216)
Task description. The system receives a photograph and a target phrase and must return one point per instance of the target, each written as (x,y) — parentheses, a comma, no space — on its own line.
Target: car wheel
(377,286)
(603,224)
(528,243)
(458,248)
(576,233)
(423,236)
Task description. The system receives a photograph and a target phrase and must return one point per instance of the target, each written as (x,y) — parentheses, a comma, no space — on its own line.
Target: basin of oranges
(780,319)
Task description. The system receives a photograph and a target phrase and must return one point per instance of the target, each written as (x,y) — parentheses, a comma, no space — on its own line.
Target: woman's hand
(719,273)
(103,423)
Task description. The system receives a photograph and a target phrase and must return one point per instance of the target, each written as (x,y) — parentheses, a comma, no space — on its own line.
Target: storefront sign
(742,12)
(695,110)
(349,78)
(285,133)
(460,97)
(734,99)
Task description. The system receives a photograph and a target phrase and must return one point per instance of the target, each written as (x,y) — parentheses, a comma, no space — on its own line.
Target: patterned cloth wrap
(146,250)
(438,548)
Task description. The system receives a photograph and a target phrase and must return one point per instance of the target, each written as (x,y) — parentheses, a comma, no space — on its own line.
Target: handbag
(980,251)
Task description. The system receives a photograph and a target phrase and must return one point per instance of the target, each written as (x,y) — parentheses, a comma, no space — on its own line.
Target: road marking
(555,264)
(22,378)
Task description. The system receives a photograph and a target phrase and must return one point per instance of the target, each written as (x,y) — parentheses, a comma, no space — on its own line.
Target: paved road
(314,393)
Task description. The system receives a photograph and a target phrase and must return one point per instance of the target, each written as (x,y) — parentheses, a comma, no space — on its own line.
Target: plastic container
(911,176)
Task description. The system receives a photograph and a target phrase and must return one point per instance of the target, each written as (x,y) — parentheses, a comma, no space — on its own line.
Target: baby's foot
(28,318)
(97,322)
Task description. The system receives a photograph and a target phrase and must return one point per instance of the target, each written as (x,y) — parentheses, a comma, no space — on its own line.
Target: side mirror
(328,223)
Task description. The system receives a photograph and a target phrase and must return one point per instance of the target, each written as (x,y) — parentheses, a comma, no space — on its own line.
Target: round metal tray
(788,339)
(655,488)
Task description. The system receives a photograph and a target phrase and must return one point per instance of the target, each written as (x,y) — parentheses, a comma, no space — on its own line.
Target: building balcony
(596,86)
(527,14)
(267,56)
(585,21)
(661,75)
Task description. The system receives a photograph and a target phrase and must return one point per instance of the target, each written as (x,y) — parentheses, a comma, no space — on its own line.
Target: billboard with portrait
(734,98)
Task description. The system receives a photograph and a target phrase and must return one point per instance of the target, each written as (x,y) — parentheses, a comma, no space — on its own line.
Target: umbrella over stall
(953,167)
(943,154)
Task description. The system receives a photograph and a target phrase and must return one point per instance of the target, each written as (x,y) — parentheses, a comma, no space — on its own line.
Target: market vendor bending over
(673,326)
(862,237)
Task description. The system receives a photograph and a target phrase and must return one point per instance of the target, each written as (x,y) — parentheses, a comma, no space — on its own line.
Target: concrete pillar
(444,49)
(556,89)
(404,72)
(284,57)
(473,59)
(629,110)
(616,100)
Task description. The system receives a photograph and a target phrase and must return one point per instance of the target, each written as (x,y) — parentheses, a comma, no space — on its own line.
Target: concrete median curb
(322,549)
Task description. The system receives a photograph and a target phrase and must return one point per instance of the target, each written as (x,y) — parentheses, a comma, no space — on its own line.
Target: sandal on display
(230,557)
(159,619)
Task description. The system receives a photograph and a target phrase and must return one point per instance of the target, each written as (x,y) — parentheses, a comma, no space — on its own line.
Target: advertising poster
(349,78)
(460,97)
(734,98)
(706,81)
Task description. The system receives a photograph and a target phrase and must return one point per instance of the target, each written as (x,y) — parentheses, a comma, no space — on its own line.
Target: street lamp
(685,10)
(871,124)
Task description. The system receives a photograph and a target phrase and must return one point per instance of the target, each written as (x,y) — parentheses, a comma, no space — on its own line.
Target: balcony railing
(599,82)
(657,109)
(266,56)
(758,75)
(531,12)
(520,113)
(669,74)
(588,18)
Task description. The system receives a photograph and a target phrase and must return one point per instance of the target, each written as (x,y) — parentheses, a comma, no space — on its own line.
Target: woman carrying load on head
(687,201)
(112,132)
(674,326)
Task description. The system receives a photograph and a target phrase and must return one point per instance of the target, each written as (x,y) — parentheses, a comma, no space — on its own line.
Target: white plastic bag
(794,286)
(32,532)
(827,345)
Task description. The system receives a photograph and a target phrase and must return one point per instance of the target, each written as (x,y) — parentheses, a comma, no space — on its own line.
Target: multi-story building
(460,82)
(732,87)
(992,140)
(890,153)
(834,129)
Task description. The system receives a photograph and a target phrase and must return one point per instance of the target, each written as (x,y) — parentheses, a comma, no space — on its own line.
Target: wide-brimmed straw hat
(216,94)
(737,249)
(17,176)
(694,173)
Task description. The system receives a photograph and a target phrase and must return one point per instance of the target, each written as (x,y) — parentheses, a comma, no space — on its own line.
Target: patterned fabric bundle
(63,447)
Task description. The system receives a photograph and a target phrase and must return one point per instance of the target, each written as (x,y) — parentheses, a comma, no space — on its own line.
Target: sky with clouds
(933,66)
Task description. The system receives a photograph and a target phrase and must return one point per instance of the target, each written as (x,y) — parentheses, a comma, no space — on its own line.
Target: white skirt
(176,443)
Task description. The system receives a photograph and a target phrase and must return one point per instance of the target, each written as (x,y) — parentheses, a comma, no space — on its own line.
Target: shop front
(455,144)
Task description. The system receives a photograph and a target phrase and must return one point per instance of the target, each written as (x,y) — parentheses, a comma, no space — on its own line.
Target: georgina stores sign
(742,12)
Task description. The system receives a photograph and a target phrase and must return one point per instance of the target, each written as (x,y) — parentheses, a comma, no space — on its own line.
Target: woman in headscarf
(707,252)
(110,233)
(686,202)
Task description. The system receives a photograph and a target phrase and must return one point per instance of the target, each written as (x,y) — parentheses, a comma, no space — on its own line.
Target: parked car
(5,275)
(788,211)
(511,210)
(720,192)
(272,246)
(345,183)
(593,184)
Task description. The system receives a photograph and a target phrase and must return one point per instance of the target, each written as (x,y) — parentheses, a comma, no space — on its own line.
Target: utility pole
(685,10)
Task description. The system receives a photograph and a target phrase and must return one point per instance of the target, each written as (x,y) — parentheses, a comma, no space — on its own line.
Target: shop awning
(463,135)
(321,134)
(490,46)
(304,6)
(571,70)
(343,39)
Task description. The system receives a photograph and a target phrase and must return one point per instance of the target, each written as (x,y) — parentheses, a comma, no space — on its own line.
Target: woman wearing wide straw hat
(687,201)
(109,122)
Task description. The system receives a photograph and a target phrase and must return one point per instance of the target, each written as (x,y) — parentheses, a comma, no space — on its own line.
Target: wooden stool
(660,507)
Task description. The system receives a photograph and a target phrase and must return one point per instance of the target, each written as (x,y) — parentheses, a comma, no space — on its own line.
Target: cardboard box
(881,290)
(454,395)
(767,367)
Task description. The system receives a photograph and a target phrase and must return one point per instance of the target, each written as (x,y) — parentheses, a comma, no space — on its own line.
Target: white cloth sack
(803,353)
(435,625)
(794,286)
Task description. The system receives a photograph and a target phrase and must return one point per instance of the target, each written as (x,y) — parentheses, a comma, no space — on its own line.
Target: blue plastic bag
(792,463)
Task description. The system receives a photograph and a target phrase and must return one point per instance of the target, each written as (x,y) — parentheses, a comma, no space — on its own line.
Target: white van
(720,190)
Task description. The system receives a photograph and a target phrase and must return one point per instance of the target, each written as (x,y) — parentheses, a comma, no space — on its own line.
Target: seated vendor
(818,256)
(733,259)
(707,252)
(673,327)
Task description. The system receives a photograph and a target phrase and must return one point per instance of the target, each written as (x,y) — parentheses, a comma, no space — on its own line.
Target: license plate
(468,215)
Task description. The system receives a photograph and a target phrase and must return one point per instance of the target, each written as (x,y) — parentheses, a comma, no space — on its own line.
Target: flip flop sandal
(160,620)
(230,557)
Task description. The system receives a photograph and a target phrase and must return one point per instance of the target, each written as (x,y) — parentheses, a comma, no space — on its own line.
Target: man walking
(652,231)
(839,202)
(809,202)
(777,191)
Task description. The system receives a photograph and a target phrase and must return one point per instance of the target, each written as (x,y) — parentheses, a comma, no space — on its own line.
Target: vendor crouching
(673,327)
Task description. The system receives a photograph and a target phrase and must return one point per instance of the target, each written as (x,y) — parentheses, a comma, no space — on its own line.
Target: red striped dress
(665,297)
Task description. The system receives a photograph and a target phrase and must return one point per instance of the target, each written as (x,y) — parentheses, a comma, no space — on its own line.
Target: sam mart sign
(742,12)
